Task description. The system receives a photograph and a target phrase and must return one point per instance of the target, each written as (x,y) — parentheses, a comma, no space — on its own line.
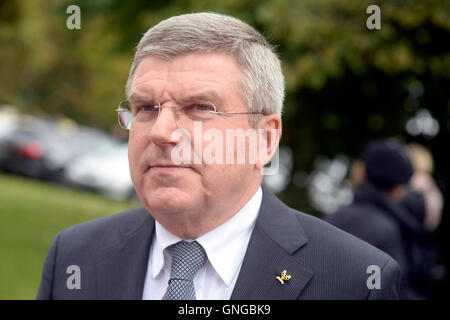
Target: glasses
(147,113)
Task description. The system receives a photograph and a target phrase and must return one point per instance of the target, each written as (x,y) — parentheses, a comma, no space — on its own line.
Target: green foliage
(345,84)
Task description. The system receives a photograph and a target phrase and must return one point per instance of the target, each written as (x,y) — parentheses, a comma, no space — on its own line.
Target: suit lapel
(272,248)
(122,268)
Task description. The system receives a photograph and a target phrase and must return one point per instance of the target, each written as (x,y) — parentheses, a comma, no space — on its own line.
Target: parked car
(9,120)
(41,148)
(105,170)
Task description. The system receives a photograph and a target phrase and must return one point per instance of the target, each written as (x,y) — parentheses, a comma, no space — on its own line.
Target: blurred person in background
(422,181)
(387,213)
(425,200)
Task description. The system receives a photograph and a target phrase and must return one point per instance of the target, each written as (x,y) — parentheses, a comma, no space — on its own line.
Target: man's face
(197,192)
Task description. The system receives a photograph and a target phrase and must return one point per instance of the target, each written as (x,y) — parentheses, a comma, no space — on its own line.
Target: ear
(269,135)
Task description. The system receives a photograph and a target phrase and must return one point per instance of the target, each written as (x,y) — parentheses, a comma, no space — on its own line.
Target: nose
(164,126)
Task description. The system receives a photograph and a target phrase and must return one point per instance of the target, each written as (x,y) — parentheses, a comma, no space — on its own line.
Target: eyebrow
(205,96)
(139,97)
(210,96)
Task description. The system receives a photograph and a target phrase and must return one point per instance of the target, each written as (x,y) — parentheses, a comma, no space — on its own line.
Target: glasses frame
(127,110)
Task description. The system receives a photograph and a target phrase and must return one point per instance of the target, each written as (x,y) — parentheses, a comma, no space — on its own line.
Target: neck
(200,221)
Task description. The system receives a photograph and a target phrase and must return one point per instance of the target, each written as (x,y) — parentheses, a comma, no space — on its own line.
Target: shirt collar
(226,242)
(163,239)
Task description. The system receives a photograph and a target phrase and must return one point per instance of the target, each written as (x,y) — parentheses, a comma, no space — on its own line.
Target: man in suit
(207,229)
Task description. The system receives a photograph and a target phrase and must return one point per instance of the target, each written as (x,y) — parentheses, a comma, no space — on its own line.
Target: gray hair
(262,83)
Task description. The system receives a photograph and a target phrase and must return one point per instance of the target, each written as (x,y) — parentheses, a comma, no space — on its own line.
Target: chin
(168,200)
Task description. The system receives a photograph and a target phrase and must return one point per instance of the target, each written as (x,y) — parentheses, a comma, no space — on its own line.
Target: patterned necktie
(187,259)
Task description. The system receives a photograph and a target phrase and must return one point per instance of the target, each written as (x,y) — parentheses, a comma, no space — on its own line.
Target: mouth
(168,165)
(167,168)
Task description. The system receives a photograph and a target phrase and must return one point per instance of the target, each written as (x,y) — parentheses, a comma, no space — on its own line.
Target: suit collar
(281,225)
(276,239)
(122,267)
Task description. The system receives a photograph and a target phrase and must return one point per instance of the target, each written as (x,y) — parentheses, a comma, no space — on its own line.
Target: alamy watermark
(374,20)
(74,20)
(237,146)
(374,280)
(74,280)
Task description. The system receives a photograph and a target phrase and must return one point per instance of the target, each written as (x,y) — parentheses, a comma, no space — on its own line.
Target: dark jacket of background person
(393,227)
(423,252)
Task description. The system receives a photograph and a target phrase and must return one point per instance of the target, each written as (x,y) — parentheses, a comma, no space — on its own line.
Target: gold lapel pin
(283,277)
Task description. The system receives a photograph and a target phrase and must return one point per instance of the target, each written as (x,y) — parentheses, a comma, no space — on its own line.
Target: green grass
(31,214)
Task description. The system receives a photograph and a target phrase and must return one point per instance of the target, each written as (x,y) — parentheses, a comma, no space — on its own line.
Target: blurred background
(63,158)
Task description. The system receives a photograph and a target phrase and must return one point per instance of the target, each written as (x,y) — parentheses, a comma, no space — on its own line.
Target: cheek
(218,178)
(136,147)
(132,156)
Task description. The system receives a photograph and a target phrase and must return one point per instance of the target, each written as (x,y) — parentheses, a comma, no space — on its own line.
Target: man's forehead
(202,75)
(188,62)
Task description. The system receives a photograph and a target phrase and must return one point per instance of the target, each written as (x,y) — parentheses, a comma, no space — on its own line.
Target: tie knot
(187,259)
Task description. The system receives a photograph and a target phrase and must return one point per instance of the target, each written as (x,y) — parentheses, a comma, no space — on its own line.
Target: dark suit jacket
(323,261)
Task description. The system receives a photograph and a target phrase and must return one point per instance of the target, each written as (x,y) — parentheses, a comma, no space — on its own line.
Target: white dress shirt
(225,247)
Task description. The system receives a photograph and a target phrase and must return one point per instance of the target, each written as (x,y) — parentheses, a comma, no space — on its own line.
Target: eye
(199,107)
(145,107)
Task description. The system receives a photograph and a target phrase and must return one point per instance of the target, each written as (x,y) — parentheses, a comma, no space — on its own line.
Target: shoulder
(85,245)
(361,212)
(104,232)
(366,221)
(364,218)
(343,264)
(333,239)
(322,238)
